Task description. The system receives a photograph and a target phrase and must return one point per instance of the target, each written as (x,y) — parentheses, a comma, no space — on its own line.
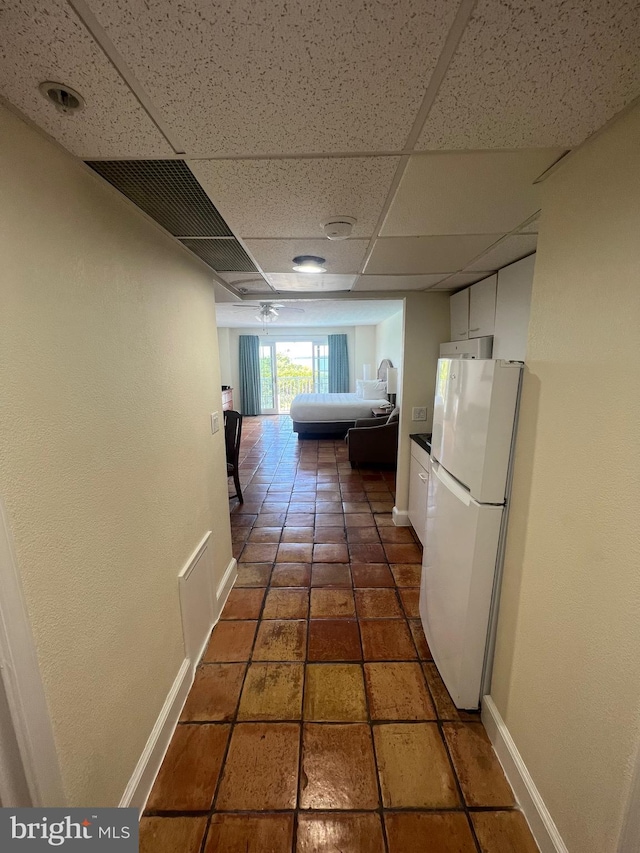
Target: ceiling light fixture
(309,263)
(267,313)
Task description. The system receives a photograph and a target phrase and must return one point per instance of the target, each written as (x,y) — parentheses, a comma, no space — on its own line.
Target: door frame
(274,375)
(36,760)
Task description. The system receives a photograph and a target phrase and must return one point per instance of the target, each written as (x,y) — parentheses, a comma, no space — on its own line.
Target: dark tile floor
(317,720)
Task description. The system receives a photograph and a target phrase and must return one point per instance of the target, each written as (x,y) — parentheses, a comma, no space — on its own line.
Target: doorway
(288,368)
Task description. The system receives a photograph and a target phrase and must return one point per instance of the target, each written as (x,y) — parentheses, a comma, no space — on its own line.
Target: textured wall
(567,672)
(109,370)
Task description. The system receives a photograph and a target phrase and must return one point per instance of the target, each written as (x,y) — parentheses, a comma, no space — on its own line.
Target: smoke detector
(338,227)
(64,99)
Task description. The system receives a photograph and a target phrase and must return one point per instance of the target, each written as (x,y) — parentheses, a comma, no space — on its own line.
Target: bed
(334,414)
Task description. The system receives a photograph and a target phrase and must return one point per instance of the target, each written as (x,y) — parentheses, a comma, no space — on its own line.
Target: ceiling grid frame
(97,17)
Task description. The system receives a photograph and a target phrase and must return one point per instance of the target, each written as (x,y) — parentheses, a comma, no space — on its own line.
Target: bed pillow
(371,389)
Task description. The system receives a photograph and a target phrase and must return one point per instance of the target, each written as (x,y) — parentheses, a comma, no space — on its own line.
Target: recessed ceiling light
(308,263)
(64,99)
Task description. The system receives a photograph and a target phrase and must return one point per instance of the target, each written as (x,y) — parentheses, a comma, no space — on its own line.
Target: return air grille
(169,193)
(222,255)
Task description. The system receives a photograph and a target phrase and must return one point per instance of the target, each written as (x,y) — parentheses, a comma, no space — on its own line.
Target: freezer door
(473,418)
(457,581)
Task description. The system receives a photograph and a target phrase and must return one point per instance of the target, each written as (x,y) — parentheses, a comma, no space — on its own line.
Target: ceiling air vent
(222,255)
(168,192)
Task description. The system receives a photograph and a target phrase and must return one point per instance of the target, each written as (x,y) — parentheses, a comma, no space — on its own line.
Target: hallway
(317,721)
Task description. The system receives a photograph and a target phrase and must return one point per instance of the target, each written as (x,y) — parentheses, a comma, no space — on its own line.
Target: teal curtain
(338,364)
(250,374)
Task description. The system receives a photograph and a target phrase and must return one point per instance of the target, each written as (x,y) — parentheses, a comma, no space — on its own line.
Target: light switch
(215,422)
(419,413)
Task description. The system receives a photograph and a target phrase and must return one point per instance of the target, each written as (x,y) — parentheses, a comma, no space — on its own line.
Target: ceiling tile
(462,279)
(411,255)
(506,252)
(530,75)
(389,283)
(531,227)
(44,40)
(479,192)
(285,76)
(246,282)
(291,198)
(342,256)
(302,282)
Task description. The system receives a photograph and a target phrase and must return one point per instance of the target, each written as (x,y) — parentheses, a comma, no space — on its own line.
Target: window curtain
(338,364)
(250,374)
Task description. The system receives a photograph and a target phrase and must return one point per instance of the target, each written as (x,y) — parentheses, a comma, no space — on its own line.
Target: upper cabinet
(482,307)
(498,305)
(459,308)
(513,305)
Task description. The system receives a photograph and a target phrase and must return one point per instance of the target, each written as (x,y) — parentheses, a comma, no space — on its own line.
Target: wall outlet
(215,422)
(419,413)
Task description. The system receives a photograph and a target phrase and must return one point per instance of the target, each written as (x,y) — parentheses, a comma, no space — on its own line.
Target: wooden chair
(232,435)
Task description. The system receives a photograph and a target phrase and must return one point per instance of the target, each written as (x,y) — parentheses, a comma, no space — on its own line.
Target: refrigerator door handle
(451,484)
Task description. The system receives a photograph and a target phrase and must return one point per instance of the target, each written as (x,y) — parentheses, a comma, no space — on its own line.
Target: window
(288,368)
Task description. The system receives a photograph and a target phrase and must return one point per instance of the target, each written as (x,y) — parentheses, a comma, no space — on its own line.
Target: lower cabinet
(418,487)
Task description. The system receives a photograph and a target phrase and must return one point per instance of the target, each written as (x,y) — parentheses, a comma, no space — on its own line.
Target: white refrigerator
(473,426)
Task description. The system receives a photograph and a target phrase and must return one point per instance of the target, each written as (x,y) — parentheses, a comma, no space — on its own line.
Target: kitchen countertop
(423,439)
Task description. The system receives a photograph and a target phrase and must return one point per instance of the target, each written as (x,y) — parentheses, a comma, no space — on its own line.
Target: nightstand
(381,413)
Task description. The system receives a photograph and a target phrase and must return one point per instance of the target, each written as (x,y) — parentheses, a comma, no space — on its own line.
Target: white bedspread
(325,408)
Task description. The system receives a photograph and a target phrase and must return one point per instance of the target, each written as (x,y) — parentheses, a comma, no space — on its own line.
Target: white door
(473,417)
(457,581)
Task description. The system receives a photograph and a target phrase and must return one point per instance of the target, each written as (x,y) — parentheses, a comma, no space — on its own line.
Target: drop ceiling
(309,313)
(430,123)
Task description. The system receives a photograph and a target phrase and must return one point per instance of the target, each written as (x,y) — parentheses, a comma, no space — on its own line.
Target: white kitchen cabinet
(482,307)
(418,488)
(513,306)
(459,309)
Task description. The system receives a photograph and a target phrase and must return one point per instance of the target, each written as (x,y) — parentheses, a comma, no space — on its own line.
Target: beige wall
(364,350)
(389,340)
(426,326)
(567,671)
(109,370)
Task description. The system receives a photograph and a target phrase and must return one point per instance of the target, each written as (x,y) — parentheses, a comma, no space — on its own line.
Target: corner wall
(110,474)
(567,670)
(426,326)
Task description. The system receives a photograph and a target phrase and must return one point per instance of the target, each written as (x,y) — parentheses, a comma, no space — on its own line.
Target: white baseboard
(224,587)
(529,799)
(147,768)
(400,517)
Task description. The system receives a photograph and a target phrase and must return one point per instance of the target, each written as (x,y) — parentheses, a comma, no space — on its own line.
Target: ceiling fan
(268,312)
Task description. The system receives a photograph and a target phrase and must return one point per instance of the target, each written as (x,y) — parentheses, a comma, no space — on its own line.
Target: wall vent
(222,255)
(168,192)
